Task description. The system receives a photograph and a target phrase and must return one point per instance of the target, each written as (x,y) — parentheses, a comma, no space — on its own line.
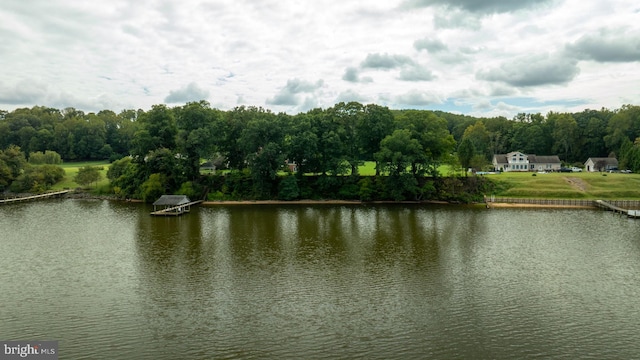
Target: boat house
(172,204)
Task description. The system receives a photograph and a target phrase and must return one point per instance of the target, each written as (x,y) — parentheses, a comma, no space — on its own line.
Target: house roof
(172,200)
(502,159)
(604,160)
(551,159)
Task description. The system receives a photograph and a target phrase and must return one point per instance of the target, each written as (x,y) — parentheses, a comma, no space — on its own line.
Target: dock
(34,197)
(616,209)
(176,210)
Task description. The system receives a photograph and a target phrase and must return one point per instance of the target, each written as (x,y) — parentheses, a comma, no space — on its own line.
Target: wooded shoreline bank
(514,203)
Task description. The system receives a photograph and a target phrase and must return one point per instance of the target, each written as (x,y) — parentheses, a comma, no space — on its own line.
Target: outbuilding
(172,204)
(601,164)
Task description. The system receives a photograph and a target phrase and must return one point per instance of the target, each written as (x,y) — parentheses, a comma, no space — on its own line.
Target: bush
(189,189)
(87,175)
(367,191)
(153,188)
(288,188)
(48,157)
(37,179)
(216,196)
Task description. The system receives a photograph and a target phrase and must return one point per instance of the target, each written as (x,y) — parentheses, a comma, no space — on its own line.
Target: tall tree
(480,138)
(432,134)
(157,130)
(565,134)
(301,145)
(263,142)
(195,139)
(376,124)
(466,151)
(349,116)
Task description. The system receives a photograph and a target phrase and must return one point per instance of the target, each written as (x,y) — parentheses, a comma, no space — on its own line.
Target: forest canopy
(163,149)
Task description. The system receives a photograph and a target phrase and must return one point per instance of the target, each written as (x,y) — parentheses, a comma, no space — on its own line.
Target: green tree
(466,151)
(48,157)
(376,123)
(166,162)
(118,168)
(301,145)
(263,142)
(14,158)
(153,188)
(157,130)
(87,175)
(195,139)
(480,138)
(432,134)
(625,124)
(565,134)
(348,117)
(37,179)
(288,188)
(398,151)
(229,132)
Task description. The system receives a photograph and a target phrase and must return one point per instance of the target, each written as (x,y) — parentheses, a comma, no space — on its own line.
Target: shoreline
(488,205)
(538,206)
(321,202)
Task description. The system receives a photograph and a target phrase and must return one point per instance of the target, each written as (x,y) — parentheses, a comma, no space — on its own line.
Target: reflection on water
(110,281)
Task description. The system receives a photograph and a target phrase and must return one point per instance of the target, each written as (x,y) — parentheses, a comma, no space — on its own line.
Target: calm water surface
(320,282)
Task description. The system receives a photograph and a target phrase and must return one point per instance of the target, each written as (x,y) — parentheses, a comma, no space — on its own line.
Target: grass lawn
(580,185)
(71,170)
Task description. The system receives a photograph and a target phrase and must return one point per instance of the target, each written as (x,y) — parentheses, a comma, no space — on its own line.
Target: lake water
(109,281)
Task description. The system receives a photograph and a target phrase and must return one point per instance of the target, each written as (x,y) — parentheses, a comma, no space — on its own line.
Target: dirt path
(577,183)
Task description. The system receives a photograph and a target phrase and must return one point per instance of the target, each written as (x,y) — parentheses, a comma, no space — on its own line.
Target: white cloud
(191,92)
(416,73)
(350,95)
(385,61)
(134,54)
(417,98)
(608,45)
(533,70)
(431,45)
(24,92)
(479,6)
(288,95)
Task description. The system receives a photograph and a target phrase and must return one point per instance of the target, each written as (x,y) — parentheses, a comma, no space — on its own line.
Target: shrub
(48,157)
(288,188)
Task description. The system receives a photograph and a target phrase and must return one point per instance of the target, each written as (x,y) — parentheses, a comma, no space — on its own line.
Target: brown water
(320,282)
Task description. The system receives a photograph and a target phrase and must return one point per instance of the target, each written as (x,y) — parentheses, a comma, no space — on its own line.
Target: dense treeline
(161,150)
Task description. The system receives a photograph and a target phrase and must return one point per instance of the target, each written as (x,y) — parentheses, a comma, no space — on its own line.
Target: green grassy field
(71,170)
(580,185)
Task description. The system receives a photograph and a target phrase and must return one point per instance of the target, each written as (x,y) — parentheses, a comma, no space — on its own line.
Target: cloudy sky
(476,57)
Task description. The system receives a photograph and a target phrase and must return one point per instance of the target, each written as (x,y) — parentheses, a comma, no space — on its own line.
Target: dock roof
(172,200)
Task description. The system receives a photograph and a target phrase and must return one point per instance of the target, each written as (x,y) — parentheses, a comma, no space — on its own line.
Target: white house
(601,164)
(517,161)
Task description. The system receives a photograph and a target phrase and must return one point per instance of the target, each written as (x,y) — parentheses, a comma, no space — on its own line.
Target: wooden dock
(176,210)
(34,197)
(616,209)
